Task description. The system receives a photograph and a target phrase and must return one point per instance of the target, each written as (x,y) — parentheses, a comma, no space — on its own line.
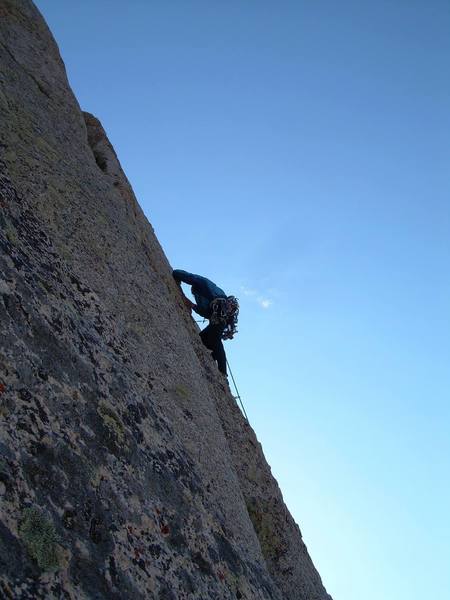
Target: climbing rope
(238,396)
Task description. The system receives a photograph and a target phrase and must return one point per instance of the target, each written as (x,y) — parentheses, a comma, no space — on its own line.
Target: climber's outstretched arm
(185,277)
(180,276)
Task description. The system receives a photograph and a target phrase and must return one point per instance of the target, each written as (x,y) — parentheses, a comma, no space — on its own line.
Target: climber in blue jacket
(213,304)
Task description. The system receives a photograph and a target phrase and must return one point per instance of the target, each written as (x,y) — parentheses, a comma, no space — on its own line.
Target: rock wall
(126,469)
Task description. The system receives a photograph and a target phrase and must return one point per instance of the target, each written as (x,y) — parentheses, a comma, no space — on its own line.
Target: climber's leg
(212,338)
(219,355)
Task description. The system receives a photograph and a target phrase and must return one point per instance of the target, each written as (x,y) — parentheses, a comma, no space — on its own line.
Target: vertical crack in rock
(126,469)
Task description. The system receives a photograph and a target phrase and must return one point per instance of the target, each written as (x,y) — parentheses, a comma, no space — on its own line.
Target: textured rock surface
(126,469)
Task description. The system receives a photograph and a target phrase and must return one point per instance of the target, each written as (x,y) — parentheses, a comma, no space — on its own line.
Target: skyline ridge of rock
(127,471)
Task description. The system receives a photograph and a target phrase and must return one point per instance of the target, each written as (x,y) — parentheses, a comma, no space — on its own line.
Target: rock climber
(213,304)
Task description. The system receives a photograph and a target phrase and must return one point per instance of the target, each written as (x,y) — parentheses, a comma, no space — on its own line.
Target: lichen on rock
(112,422)
(39,536)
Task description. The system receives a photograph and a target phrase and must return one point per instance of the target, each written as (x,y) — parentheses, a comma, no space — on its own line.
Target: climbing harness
(238,396)
(218,311)
(225,311)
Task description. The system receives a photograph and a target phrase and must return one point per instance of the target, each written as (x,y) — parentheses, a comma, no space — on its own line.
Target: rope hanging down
(238,396)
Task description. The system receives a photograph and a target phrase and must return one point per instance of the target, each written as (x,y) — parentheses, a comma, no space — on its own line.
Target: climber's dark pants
(212,338)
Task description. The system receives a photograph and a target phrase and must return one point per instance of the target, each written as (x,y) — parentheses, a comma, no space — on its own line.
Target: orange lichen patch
(2,388)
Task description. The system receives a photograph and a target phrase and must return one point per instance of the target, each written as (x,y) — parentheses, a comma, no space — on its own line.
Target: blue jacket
(202,289)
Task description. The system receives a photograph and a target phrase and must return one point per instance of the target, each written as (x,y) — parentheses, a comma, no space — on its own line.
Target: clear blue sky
(296,153)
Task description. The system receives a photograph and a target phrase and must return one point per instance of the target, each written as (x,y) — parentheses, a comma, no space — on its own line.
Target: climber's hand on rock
(188,303)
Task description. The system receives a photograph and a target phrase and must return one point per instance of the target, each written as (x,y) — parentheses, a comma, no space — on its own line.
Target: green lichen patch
(112,422)
(40,539)
(181,391)
(269,538)
(11,234)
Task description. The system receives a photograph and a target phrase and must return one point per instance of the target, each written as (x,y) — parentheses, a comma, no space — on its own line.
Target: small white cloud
(248,291)
(265,302)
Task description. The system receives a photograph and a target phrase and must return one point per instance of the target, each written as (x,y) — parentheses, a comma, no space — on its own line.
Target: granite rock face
(126,469)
